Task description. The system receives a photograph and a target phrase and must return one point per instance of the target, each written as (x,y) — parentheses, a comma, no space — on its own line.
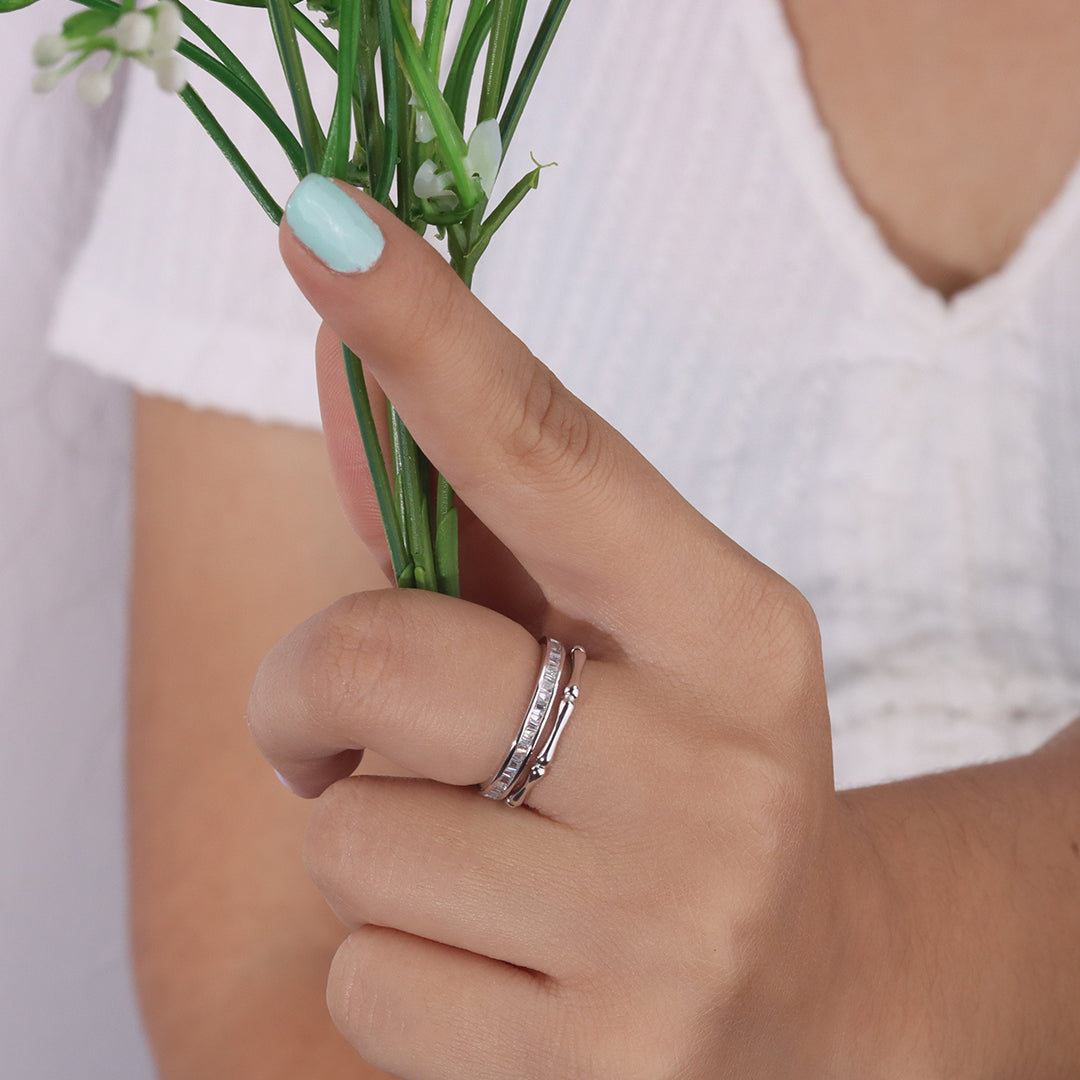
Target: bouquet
(403,104)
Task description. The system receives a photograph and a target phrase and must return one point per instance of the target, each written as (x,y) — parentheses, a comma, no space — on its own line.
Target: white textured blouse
(698,270)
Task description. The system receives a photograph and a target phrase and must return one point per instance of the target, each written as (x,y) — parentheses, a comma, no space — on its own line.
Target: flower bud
(168,27)
(45,80)
(94,87)
(170,70)
(134,31)
(50,49)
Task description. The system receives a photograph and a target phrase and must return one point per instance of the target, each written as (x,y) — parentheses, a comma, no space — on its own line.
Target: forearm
(979,963)
(238,536)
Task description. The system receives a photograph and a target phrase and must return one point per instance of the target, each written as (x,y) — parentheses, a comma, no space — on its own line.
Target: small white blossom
(134,31)
(425,130)
(168,27)
(485,154)
(170,70)
(44,81)
(94,87)
(50,49)
(434,185)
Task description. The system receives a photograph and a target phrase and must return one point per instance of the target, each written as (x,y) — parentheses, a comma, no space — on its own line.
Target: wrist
(962,922)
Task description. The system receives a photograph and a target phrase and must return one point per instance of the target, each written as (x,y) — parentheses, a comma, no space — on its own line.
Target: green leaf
(459,81)
(530,70)
(88,23)
(529,182)
(14,5)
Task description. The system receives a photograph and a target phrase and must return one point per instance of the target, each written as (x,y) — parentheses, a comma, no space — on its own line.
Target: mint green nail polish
(332,226)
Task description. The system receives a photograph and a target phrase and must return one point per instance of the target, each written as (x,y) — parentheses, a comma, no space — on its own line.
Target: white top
(698,270)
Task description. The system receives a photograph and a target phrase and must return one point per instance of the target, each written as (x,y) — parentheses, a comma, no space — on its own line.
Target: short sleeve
(178,289)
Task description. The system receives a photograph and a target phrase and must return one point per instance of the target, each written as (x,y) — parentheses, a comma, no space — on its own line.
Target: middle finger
(437,685)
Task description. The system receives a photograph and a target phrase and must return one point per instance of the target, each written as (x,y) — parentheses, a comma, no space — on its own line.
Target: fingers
(582,511)
(442,863)
(437,685)
(419,1009)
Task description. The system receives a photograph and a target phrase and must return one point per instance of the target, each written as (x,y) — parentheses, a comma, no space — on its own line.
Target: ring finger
(437,685)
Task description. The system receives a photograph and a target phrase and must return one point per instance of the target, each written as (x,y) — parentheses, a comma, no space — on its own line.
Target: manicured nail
(284,782)
(332,226)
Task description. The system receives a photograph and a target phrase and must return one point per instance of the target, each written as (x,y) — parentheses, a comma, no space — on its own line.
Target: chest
(955,124)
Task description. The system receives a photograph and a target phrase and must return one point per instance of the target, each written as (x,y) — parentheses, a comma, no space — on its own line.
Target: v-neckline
(853,230)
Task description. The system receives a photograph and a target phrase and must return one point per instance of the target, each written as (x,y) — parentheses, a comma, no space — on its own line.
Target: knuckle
(351,663)
(553,439)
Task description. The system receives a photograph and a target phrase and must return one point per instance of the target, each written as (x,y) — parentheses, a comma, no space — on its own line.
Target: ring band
(539,711)
(520,788)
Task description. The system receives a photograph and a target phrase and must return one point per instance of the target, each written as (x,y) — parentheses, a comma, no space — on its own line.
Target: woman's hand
(684,895)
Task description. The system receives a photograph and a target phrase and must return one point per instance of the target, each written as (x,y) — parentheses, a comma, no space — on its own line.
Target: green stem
(311,135)
(526,79)
(336,157)
(459,80)
(497,59)
(385,11)
(414,500)
(369,436)
(257,102)
(447,131)
(232,155)
(220,49)
(438,15)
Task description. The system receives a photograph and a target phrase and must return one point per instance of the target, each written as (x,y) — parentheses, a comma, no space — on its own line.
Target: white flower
(44,81)
(425,130)
(485,154)
(134,31)
(168,27)
(434,185)
(94,87)
(170,69)
(50,49)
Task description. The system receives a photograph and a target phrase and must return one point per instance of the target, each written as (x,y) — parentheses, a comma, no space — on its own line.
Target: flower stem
(369,436)
(384,12)
(336,156)
(410,468)
(526,79)
(254,100)
(220,49)
(232,155)
(311,135)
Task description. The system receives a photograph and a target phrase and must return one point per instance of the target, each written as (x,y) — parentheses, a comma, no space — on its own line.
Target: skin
(791,931)
(918,929)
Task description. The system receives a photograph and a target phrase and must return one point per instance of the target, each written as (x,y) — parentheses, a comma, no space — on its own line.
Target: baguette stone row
(536,716)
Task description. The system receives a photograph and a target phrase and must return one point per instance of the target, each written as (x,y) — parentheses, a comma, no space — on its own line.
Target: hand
(683,894)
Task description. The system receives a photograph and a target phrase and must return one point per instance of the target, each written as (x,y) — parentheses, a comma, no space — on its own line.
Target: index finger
(584,513)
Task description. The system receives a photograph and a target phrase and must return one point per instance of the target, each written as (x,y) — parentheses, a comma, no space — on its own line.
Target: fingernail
(284,782)
(332,226)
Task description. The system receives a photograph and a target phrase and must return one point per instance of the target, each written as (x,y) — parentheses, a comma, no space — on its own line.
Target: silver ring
(520,788)
(539,711)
